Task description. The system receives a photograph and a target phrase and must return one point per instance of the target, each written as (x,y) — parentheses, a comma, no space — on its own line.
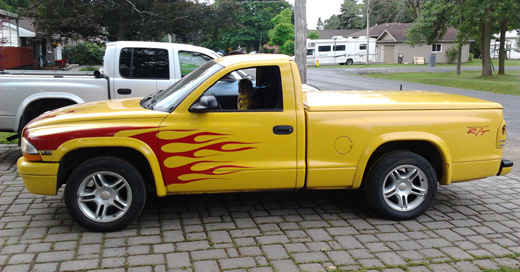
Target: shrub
(451,54)
(84,54)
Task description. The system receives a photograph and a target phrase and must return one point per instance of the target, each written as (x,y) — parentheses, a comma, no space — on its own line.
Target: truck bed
(391,100)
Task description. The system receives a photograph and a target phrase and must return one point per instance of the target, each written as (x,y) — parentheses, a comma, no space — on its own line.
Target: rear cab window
(144,63)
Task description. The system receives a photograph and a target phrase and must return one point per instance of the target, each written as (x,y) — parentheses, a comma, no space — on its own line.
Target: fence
(16,57)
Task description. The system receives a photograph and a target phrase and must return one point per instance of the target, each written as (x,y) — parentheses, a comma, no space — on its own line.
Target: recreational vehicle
(340,50)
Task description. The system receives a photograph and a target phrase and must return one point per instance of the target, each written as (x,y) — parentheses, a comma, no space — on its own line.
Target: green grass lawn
(504,84)
(4,135)
(473,63)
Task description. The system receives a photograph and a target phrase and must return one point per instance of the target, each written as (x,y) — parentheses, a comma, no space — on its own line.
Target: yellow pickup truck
(191,138)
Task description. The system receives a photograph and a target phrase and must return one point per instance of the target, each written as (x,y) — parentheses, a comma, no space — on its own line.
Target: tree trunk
(485,35)
(459,58)
(120,35)
(459,53)
(502,52)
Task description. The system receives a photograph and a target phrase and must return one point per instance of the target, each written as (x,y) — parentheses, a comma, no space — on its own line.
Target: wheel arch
(429,146)
(34,101)
(138,154)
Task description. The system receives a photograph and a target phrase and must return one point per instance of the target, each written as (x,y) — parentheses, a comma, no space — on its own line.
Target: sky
(320,9)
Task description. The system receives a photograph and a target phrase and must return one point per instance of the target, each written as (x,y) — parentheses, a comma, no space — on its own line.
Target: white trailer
(339,50)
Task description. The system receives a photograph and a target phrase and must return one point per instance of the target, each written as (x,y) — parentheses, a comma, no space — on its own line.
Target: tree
(14,5)
(490,17)
(119,19)
(249,22)
(351,15)
(313,35)
(507,11)
(390,11)
(432,25)
(282,34)
(415,6)
(320,25)
(332,22)
(476,19)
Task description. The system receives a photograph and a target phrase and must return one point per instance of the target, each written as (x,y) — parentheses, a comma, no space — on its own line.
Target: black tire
(349,62)
(23,122)
(105,194)
(401,185)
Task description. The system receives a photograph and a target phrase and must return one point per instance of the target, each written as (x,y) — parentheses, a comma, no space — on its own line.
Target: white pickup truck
(130,69)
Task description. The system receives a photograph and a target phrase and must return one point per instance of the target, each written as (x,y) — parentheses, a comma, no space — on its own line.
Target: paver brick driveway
(472,226)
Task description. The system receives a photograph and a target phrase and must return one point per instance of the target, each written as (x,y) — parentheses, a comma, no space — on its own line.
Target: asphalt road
(350,79)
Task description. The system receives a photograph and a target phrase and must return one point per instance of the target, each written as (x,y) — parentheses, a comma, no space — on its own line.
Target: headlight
(29,151)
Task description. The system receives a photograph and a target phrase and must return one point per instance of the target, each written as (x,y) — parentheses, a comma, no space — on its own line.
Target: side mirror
(206,103)
(228,78)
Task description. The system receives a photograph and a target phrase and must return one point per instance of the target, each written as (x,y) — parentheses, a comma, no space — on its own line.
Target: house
(391,46)
(511,45)
(18,37)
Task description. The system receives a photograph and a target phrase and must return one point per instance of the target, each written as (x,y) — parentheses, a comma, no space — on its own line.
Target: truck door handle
(124,91)
(283,130)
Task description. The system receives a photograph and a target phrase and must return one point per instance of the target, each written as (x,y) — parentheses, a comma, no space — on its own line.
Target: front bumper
(39,177)
(505,168)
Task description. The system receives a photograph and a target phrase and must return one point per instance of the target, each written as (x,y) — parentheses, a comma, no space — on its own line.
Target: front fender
(376,142)
(101,142)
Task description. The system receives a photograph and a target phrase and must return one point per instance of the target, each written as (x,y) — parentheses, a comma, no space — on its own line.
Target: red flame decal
(216,142)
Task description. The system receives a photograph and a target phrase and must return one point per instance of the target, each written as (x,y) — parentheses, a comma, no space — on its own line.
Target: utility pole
(368,26)
(300,35)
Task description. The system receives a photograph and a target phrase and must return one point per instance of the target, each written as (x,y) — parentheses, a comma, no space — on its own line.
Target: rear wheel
(350,62)
(401,185)
(105,194)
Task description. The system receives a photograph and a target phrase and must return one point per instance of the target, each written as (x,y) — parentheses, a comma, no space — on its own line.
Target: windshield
(170,98)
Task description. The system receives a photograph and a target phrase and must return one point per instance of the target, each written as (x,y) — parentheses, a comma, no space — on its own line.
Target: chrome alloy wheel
(405,188)
(104,196)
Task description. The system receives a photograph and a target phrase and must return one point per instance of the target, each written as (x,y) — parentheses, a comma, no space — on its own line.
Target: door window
(190,61)
(262,93)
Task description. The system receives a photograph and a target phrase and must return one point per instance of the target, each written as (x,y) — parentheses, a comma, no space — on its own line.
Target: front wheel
(350,62)
(401,185)
(105,194)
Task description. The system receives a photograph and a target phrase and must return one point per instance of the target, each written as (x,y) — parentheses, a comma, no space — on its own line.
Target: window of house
(190,61)
(363,46)
(339,48)
(324,48)
(436,48)
(144,63)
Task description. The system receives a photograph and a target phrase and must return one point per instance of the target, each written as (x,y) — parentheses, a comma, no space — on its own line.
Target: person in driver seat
(245,87)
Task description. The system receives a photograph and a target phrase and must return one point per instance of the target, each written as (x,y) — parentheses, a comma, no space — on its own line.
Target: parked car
(397,145)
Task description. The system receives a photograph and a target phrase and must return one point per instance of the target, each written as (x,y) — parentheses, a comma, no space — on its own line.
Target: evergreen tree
(332,22)
(351,15)
(320,25)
